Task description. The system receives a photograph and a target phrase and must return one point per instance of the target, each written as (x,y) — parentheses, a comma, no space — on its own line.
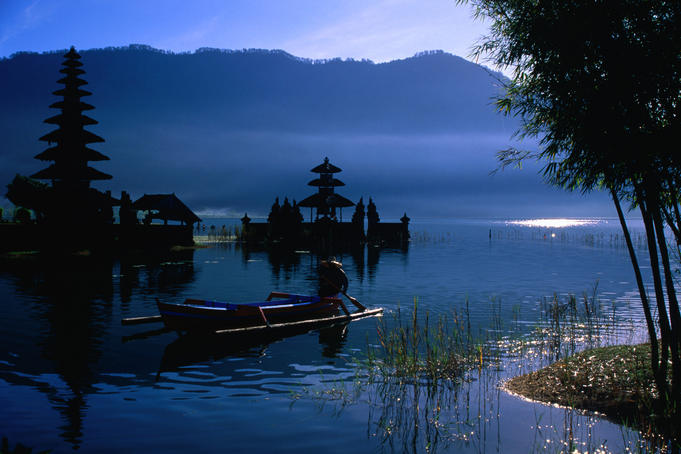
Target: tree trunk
(663,320)
(673,305)
(650,323)
(671,212)
(669,280)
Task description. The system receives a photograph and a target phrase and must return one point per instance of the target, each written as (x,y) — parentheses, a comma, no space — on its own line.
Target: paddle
(354,301)
(350,298)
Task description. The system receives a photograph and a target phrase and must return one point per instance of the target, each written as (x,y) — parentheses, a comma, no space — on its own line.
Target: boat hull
(204,315)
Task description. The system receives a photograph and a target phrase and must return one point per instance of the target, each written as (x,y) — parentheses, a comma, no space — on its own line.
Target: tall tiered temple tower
(70,173)
(326,200)
(70,153)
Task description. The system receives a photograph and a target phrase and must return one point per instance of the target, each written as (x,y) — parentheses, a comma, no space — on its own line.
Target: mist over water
(227,132)
(425,175)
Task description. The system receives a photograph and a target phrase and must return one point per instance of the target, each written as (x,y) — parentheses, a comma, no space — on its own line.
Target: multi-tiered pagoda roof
(70,152)
(326,200)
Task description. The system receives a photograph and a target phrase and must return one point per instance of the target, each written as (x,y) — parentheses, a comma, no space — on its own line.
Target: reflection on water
(69,304)
(554,223)
(290,267)
(475,415)
(195,349)
(67,365)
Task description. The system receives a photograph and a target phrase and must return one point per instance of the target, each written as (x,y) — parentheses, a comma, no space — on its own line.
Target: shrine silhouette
(326,229)
(69,213)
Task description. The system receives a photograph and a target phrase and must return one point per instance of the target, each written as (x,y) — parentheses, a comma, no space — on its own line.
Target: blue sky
(380,30)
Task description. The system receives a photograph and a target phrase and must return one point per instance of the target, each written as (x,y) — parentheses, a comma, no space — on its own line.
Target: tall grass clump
(435,383)
(414,349)
(573,324)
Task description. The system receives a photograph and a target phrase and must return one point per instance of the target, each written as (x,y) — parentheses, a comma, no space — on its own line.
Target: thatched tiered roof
(70,153)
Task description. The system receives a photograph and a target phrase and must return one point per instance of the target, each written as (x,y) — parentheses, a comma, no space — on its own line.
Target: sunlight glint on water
(557,223)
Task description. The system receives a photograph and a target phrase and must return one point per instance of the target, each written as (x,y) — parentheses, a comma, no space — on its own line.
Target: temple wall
(388,233)
(152,236)
(307,233)
(33,237)
(325,233)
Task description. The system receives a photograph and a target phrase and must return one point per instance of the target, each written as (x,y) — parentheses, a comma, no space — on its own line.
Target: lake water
(72,378)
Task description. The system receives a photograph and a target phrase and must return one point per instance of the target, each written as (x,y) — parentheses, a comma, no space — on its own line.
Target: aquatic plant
(432,385)
(414,349)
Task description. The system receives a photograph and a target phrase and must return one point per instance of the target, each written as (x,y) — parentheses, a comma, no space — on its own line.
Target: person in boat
(332,278)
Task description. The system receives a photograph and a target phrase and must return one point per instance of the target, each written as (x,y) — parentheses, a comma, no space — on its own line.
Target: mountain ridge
(231,130)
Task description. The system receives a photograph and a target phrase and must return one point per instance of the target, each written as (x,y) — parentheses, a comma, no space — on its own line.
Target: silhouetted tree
(273,217)
(286,210)
(274,220)
(372,214)
(285,219)
(358,215)
(297,215)
(127,214)
(22,215)
(28,193)
(293,220)
(599,84)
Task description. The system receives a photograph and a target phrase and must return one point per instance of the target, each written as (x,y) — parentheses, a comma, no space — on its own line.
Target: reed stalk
(415,350)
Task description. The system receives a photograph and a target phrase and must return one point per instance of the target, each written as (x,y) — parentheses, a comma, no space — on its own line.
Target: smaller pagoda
(285,225)
(326,200)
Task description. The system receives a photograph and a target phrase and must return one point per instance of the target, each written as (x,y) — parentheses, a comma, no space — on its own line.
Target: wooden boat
(195,314)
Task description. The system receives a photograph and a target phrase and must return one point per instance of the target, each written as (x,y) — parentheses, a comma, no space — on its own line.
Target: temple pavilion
(326,200)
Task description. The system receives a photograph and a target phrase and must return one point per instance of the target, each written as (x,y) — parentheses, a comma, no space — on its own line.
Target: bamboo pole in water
(296,324)
(140,320)
(303,323)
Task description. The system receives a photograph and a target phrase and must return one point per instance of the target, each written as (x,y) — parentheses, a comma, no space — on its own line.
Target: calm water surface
(72,378)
